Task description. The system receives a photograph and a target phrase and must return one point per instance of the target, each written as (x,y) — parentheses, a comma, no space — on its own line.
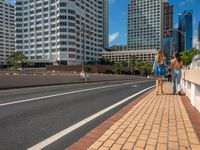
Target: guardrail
(191,82)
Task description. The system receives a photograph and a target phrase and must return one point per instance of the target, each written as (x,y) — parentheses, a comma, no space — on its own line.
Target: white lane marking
(64,132)
(67,93)
(134,86)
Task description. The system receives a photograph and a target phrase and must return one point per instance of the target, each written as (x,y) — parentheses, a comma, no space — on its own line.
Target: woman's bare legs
(161,84)
(157,85)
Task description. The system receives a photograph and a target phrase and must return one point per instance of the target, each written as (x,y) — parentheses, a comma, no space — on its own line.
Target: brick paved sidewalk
(156,122)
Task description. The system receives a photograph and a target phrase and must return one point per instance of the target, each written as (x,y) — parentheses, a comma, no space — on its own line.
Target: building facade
(168,18)
(60,31)
(167,25)
(118,48)
(105,24)
(7,30)
(140,55)
(145,24)
(186,26)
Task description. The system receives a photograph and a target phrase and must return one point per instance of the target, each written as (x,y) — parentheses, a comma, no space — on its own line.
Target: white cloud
(113,37)
(112,1)
(184,2)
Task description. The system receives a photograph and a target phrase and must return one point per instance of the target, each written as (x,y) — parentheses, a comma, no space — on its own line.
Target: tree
(16,59)
(118,67)
(187,56)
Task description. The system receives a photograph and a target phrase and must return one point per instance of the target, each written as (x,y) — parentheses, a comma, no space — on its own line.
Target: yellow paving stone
(138,148)
(143,137)
(184,142)
(162,140)
(161,146)
(116,147)
(172,133)
(128,146)
(184,148)
(140,143)
(114,136)
(119,131)
(195,147)
(147,127)
(96,145)
(103,138)
(108,143)
(152,141)
(163,134)
(156,122)
(125,134)
(192,135)
(103,148)
(150,147)
(154,135)
(132,139)
(145,131)
(173,145)
(173,139)
(129,129)
(194,141)
(162,129)
(135,133)
(121,140)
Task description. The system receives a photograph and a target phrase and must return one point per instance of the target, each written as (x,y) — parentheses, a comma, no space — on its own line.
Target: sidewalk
(155,122)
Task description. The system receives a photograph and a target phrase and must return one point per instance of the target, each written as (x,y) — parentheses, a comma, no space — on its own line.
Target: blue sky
(118,18)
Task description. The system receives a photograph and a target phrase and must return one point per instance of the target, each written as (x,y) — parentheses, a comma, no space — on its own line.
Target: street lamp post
(83,73)
(181,32)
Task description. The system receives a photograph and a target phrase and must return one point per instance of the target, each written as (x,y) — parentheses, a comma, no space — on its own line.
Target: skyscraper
(185,25)
(7,31)
(167,24)
(105,24)
(145,24)
(168,17)
(51,31)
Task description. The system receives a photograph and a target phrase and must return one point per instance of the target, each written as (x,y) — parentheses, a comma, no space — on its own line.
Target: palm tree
(16,59)
(187,56)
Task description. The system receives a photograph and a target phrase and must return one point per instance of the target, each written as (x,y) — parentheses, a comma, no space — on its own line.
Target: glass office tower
(186,26)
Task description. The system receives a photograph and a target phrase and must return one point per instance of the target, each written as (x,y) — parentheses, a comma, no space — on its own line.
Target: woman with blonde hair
(159,70)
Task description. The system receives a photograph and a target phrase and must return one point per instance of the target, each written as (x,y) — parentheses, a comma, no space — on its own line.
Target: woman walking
(176,65)
(159,69)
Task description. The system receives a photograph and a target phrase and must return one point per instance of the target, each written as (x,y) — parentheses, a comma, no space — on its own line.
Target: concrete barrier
(19,81)
(191,85)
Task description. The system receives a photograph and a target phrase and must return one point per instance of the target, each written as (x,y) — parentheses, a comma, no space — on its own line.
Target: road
(31,115)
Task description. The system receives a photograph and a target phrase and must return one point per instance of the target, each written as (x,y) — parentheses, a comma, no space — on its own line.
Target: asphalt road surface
(33,118)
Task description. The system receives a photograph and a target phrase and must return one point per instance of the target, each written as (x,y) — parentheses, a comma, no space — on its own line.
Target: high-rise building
(105,24)
(118,48)
(175,36)
(7,30)
(186,26)
(168,18)
(167,25)
(52,31)
(145,24)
